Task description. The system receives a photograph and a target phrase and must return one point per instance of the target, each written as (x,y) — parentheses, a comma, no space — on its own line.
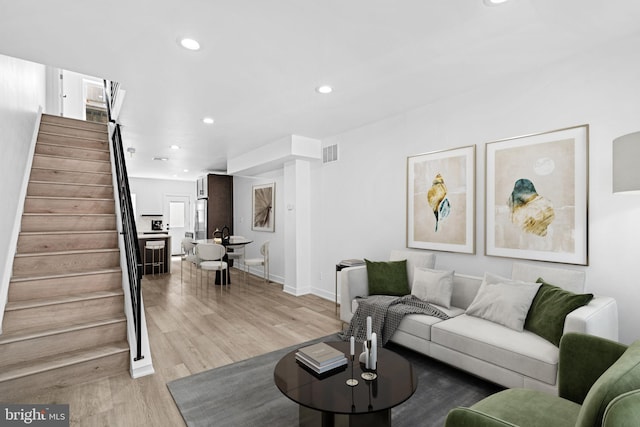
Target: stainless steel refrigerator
(201,219)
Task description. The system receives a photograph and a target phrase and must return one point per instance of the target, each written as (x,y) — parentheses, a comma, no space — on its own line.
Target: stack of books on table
(351,262)
(321,358)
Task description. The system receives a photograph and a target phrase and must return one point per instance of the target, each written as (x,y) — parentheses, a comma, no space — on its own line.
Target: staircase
(64,321)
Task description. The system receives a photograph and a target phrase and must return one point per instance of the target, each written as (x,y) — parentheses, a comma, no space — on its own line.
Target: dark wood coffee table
(329,401)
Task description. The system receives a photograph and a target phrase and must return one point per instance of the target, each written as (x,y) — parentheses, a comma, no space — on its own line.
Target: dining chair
(210,257)
(188,254)
(264,261)
(237,252)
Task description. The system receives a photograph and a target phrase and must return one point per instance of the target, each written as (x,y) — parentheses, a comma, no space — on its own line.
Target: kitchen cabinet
(219,194)
(201,187)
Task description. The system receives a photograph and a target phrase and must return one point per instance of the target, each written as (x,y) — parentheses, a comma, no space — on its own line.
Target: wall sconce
(626,163)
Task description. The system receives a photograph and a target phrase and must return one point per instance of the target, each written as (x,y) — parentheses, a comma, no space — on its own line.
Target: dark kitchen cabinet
(219,190)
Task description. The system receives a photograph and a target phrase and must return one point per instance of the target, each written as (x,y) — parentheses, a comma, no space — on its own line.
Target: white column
(297,226)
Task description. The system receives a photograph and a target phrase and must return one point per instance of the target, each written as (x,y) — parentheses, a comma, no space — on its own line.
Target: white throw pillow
(503,301)
(433,286)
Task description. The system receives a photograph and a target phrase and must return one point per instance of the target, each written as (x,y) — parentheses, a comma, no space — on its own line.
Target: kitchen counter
(147,267)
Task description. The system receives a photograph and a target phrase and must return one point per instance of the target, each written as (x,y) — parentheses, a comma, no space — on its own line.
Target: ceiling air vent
(330,153)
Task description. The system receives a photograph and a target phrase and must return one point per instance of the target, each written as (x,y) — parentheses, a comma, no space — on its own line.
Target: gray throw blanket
(386,314)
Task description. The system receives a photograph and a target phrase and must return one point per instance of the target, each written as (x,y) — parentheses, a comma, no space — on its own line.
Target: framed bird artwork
(536,196)
(441,200)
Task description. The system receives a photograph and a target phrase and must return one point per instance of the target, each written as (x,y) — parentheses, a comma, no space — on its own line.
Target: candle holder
(369,375)
(352,382)
(367,362)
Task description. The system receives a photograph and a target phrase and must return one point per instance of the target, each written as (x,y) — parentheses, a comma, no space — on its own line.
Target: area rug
(244,394)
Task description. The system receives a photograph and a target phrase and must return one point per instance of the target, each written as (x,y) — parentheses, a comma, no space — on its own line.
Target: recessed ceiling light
(324,89)
(175,147)
(189,44)
(494,2)
(185,170)
(162,159)
(208,120)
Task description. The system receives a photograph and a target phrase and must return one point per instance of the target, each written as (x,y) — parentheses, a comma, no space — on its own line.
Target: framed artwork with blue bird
(536,196)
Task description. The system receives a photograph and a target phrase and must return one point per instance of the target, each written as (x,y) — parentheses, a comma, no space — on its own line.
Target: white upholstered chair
(237,253)
(263,261)
(188,254)
(210,259)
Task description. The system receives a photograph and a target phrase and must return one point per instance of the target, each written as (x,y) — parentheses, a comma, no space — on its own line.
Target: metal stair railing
(129,232)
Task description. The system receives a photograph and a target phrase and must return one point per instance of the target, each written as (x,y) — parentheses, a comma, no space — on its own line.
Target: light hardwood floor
(192,328)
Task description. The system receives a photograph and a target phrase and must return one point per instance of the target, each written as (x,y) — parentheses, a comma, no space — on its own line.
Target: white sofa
(483,348)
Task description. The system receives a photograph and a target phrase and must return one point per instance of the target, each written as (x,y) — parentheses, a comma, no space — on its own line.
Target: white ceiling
(261,61)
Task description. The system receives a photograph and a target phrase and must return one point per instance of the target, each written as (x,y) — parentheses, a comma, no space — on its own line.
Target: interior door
(177,219)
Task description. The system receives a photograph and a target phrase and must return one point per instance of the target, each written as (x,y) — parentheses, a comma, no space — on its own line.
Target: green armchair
(598,385)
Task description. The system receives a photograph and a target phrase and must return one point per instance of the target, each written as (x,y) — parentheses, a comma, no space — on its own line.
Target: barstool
(157,248)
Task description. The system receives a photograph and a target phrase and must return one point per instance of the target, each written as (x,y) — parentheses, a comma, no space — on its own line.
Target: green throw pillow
(388,278)
(549,309)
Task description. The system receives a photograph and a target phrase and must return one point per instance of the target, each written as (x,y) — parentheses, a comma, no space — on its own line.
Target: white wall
(150,196)
(242,199)
(361,204)
(22,92)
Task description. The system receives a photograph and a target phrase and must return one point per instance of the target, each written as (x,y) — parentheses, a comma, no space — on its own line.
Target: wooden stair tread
(74,137)
(64,233)
(26,304)
(64,275)
(53,119)
(66,359)
(67,170)
(93,199)
(28,334)
(82,251)
(82,125)
(45,276)
(71,184)
(50,156)
(75,147)
(68,214)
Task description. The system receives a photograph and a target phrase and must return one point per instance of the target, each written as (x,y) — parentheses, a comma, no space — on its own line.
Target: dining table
(230,243)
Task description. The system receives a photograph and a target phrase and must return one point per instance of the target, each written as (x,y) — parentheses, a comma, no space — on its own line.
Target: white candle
(367,357)
(368,327)
(353,346)
(374,351)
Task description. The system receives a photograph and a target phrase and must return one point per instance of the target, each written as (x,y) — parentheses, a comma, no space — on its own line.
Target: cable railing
(129,232)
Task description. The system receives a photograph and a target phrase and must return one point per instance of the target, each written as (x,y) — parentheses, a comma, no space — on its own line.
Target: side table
(329,401)
(341,265)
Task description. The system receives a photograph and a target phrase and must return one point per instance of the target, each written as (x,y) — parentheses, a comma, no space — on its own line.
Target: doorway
(177,219)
